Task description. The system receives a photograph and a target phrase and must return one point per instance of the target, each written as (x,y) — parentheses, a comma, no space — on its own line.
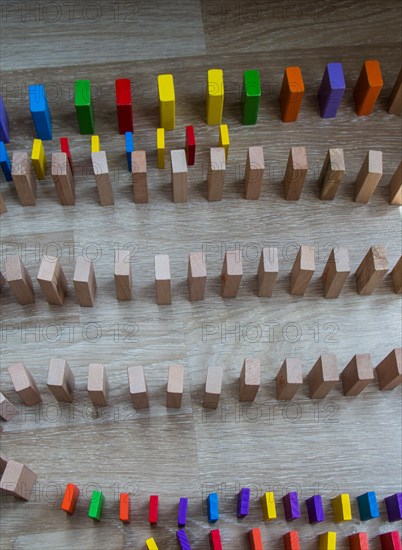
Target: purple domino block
(183,540)
(315,509)
(4,132)
(291,506)
(394,507)
(182,514)
(331,90)
(243,502)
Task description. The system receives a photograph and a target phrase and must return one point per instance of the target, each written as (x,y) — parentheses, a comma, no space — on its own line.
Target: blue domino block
(129,137)
(213,508)
(5,162)
(39,108)
(331,90)
(4,131)
(368,507)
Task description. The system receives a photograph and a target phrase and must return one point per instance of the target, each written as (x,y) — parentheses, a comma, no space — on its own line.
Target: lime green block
(96,505)
(83,106)
(251,96)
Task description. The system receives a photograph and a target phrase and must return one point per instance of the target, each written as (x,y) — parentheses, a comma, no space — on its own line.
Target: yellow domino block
(327,541)
(268,505)
(95,144)
(224,140)
(160,147)
(167,101)
(215,94)
(151,544)
(341,508)
(38,158)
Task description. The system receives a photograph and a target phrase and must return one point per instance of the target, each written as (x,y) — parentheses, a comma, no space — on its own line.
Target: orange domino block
(291,541)
(52,280)
(70,498)
(125,507)
(291,95)
(255,539)
(395,100)
(367,88)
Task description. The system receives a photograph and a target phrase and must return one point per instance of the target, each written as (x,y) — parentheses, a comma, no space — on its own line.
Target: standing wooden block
(153,509)
(358,541)
(196,276)
(216,173)
(291,95)
(302,270)
(24,384)
(391,541)
(138,387)
(160,147)
(17,480)
(167,101)
(395,99)
(23,175)
(122,274)
(395,186)
(124,507)
(38,158)
(179,175)
(215,95)
(327,541)
(139,176)
(19,281)
(84,282)
(63,179)
(389,370)
(393,504)
(70,498)
(357,374)
(224,140)
(332,173)
(60,380)
(396,275)
(372,270)
(65,148)
(368,177)
(98,387)
(323,376)
(367,88)
(3,207)
(3,463)
(231,275)
(2,280)
(83,106)
(254,174)
(175,387)
(289,379)
(124,105)
(291,540)
(255,539)
(250,379)
(336,272)
(7,409)
(190,145)
(213,387)
(163,281)
(52,280)
(101,172)
(295,174)
(267,271)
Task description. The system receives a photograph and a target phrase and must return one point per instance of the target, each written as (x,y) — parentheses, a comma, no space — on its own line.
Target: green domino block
(251,96)
(83,106)
(96,505)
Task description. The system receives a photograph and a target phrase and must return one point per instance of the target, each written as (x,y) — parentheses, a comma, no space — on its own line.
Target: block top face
(47,268)
(375,162)
(213,382)
(256,157)
(197,264)
(13,268)
(136,379)
(37,148)
(380,257)
(217,158)
(122,262)
(99,162)
(178,161)
(307,261)
(82,93)
(82,269)
(364,366)
(59,163)
(123,91)
(139,161)
(294,79)
(335,75)
(37,98)
(215,82)
(270,258)
(294,370)
(252,83)
(341,258)
(20,164)
(337,159)
(175,379)
(234,265)
(299,158)
(19,376)
(329,367)
(373,72)
(166,87)
(162,267)
(57,370)
(96,377)
(252,376)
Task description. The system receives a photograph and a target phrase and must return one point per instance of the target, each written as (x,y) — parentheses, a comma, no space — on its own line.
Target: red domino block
(358,541)
(153,509)
(390,541)
(190,145)
(70,498)
(65,148)
(291,541)
(215,539)
(255,539)
(124,105)
(125,507)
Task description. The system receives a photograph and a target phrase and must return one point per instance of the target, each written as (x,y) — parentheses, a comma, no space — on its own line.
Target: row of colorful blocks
(365,94)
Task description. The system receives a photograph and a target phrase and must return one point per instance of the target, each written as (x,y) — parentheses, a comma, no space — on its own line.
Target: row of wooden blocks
(321,379)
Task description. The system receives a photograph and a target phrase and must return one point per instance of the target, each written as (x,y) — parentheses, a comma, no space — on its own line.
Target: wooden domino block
(336,272)
(153,509)
(396,275)
(98,386)
(175,387)
(163,283)
(52,280)
(327,541)
(196,276)
(291,540)
(101,172)
(19,281)
(341,508)
(323,376)
(60,380)
(357,374)
(70,498)
(65,148)
(224,139)
(216,173)
(213,387)
(138,387)
(358,541)
(95,144)
(389,370)
(395,99)
(250,379)
(83,106)
(124,507)
(23,174)
(2,280)
(124,105)
(254,173)
(368,177)
(395,186)
(372,270)
(3,207)
(7,409)
(296,170)
(190,145)
(63,179)
(391,541)
(302,270)
(84,282)
(251,96)
(151,544)
(367,88)
(215,95)
(255,539)
(38,158)
(267,271)
(331,174)
(24,384)
(17,480)
(178,165)
(3,463)
(160,147)
(167,101)
(139,176)
(122,274)
(289,379)
(291,94)
(231,275)
(268,506)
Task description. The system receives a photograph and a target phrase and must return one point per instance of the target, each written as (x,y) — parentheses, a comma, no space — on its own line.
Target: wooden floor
(335,445)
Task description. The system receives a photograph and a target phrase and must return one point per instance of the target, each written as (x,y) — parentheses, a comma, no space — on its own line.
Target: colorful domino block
(251,96)
(5,162)
(70,498)
(243,502)
(95,144)
(182,539)
(358,541)
(65,148)
(151,544)
(215,96)
(291,506)
(96,505)
(390,541)
(255,539)
(40,112)
(213,507)
(341,508)
(331,90)
(124,508)
(38,158)
(368,87)
(83,106)
(291,540)
(129,143)
(4,125)
(124,105)
(315,509)
(182,512)
(160,147)
(190,145)
(215,539)
(393,504)
(368,507)
(268,506)
(327,541)
(167,101)
(291,94)
(224,139)
(153,509)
